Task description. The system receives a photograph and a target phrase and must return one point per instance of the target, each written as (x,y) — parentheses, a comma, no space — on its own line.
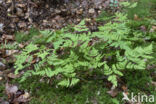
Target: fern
(109,50)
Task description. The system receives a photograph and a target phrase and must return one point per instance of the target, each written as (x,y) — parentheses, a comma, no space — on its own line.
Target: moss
(43,93)
(140,82)
(142,9)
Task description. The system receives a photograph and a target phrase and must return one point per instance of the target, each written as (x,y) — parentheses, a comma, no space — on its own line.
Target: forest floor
(21,16)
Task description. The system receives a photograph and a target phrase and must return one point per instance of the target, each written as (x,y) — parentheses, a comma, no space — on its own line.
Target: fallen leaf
(2,66)
(8,37)
(124,88)
(113,92)
(21,46)
(11,89)
(21,5)
(10,52)
(136,17)
(13,76)
(143,28)
(154,27)
(22,98)
(91,11)
(22,24)
(1,78)
(153,83)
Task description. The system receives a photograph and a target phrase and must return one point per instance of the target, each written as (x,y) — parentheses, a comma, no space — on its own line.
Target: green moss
(143,9)
(84,93)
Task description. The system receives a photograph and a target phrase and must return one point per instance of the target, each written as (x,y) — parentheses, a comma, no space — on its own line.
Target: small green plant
(9,45)
(69,57)
(23,37)
(141,8)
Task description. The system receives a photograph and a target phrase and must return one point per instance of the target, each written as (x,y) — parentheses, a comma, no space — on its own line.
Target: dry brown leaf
(21,5)
(8,37)
(22,98)
(113,92)
(21,45)
(10,52)
(2,66)
(22,24)
(154,27)
(136,17)
(153,83)
(11,89)
(1,78)
(13,76)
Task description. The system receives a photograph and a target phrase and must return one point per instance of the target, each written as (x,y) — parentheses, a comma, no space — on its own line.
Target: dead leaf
(136,17)
(22,24)
(143,28)
(124,88)
(153,83)
(1,78)
(13,76)
(21,5)
(11,89)
(154,27)
(2,66)
(8,37)
(10,52)
(113,92)
(21,45)
(91,11)
(22,98)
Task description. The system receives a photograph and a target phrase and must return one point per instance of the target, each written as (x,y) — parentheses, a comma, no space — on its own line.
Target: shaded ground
(21,15)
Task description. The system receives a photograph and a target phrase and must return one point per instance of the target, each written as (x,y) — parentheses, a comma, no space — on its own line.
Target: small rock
(91,11)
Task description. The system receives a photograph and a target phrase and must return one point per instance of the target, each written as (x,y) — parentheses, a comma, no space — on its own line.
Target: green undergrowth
(144,8)
(2,87)
(109,51)
(88,93)
(23,37)
(67,57)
